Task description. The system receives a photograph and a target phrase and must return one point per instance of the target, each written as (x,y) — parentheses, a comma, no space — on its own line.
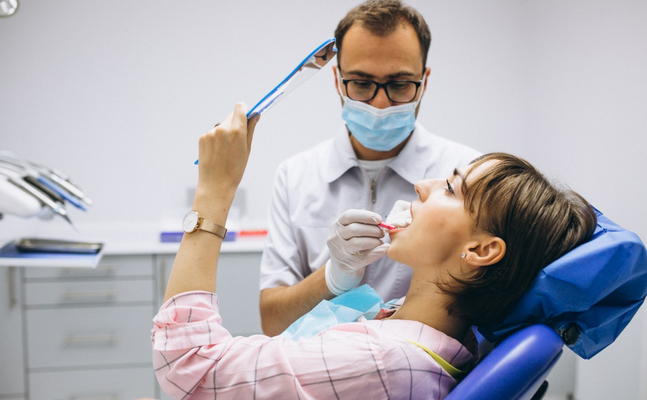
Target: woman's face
(440,225)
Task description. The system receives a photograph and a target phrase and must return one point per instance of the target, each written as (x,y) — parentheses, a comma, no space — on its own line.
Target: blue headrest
(597,288)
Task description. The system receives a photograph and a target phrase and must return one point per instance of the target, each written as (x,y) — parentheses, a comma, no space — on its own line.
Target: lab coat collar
(342,156)
(410,164)
(415,157)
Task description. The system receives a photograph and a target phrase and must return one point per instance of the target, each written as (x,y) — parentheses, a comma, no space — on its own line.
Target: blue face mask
(379,129)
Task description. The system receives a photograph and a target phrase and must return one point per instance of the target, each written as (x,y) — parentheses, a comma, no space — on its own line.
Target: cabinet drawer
(99,384)
(110,266)
(88,292)
(92,336)
(237,288)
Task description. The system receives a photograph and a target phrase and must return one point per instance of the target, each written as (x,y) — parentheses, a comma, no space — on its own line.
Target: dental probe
(386,226)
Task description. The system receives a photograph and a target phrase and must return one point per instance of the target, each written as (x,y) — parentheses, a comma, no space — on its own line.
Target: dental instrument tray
(32,245)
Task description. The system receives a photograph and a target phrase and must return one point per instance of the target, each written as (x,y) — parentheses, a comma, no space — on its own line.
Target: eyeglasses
(396,91)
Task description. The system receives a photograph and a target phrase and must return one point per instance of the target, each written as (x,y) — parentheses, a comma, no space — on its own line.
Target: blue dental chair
(583,300)
(515,369)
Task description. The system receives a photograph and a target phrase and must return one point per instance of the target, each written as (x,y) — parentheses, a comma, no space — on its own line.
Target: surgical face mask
(379,129)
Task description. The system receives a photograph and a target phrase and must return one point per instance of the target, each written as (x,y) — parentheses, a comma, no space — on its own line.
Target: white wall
(116,95)
(587,99)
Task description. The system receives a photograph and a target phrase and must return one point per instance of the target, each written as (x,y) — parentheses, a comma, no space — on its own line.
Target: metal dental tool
(53,179)
(16,176)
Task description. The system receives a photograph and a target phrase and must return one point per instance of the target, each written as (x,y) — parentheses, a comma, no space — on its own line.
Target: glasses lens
(401,92)
(361,90)
(397,91)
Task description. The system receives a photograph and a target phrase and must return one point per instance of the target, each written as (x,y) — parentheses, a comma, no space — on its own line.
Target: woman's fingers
(224,150)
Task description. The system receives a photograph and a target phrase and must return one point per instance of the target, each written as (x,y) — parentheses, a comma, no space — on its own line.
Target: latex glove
(354,242)
(400,214)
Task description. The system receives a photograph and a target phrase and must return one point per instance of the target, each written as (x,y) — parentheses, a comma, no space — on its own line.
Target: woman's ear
(485,250)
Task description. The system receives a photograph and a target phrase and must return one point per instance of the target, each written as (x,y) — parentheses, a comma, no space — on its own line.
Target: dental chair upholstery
(583,300)
(515,369)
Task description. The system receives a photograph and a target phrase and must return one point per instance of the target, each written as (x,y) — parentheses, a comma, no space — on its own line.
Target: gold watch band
(212,227)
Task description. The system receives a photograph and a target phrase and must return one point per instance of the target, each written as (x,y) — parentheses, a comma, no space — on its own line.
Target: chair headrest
(596,288)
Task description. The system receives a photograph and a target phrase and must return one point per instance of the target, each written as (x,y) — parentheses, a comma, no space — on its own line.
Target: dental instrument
(386,226)
(17,177)
(56,180)
(16,201)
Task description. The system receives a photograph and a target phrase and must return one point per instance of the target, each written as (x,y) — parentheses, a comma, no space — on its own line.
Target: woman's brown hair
(538,221)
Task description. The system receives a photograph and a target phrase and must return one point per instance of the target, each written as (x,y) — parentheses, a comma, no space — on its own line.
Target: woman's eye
(449,188)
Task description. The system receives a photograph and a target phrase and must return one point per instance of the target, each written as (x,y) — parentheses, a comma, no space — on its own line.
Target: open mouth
(399,218)
(397,228)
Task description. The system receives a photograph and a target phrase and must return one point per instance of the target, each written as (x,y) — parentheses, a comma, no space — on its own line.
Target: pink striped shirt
(196,358)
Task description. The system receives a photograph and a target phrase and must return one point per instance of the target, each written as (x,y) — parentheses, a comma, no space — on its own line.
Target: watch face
(190,221)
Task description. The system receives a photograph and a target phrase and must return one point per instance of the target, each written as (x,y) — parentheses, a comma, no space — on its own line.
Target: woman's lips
(392,231)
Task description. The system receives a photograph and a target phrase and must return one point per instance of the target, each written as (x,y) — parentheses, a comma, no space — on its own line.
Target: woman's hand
(223,155)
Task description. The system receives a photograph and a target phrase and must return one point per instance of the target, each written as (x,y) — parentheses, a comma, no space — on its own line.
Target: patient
(476,242)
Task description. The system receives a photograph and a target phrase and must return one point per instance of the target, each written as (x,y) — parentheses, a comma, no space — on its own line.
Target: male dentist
(327,202)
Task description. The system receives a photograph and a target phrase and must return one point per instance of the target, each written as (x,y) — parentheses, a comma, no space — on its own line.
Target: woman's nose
(423,188)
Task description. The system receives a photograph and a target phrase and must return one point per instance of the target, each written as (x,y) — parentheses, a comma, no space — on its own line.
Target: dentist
(327,202)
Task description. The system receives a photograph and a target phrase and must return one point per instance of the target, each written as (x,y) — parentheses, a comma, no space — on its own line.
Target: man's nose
(381,100)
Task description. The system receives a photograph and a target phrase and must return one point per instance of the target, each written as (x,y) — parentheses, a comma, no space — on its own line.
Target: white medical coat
(313,188)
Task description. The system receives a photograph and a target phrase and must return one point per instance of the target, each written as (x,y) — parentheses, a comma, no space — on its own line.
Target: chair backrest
(592,291)
(515,369)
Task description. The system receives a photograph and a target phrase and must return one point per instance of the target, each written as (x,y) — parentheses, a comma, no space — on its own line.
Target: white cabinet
(93,384)
(87,331)
(12,367)
(80,333)
(237,288)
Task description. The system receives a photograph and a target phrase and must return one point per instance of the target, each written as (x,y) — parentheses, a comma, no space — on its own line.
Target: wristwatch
(193,221)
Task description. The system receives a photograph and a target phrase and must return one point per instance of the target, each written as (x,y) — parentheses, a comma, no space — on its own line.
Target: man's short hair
(382,17)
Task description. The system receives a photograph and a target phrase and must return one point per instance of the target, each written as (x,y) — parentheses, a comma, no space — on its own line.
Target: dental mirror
(310,65)
(306,68)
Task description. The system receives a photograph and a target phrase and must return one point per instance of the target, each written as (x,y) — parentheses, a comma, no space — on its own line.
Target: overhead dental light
(8,7)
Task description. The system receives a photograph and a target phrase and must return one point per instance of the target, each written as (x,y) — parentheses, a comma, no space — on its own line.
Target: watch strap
(212,227)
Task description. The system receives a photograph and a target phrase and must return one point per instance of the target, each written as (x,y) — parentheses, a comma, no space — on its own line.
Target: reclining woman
(476,242)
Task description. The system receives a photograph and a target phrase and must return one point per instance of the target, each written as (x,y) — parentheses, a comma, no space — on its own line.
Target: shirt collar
(410,164)
(342,156)
(415,157)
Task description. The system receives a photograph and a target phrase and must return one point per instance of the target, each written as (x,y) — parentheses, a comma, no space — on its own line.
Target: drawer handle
(13,300)
(105,269)
(106,295)
(113,397)
(91,340)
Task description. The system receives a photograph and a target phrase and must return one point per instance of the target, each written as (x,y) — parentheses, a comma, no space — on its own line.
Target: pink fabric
(196,358)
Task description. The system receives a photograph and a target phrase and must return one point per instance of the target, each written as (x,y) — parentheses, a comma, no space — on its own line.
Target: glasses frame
(384,85)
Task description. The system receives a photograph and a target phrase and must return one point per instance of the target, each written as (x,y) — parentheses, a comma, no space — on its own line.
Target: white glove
(400,214)
(354,242)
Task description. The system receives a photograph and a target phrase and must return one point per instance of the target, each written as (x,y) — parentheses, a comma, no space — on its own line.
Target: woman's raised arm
(223,155)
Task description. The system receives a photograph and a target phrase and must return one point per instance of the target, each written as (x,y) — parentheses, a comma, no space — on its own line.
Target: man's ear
(334,74)
(485,250)
(426,75)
